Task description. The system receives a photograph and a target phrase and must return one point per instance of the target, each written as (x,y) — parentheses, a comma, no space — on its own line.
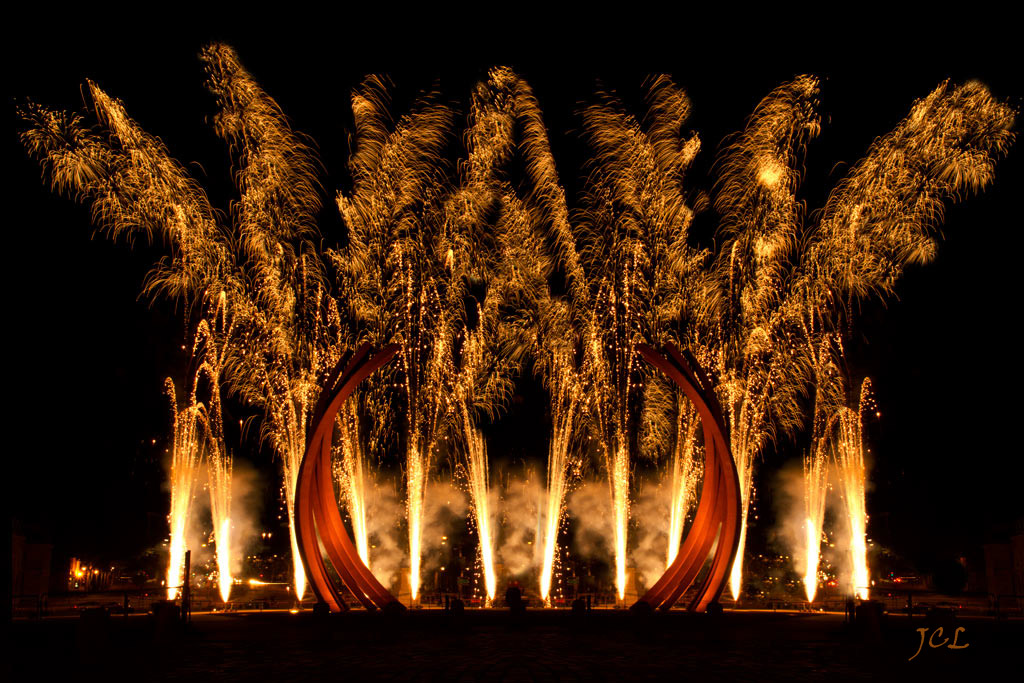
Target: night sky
(87,356)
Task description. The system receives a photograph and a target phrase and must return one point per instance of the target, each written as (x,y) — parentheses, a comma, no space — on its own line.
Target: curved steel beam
(317,520)
(717,522)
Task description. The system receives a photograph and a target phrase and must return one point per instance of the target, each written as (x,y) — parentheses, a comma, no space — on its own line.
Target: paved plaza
(495,646)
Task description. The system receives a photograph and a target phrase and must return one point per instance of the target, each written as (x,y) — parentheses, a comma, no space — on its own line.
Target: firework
(815,491)
(185,459)
(350,471)
(685,473)
(638,265)
(212,344)
(453,263)
(756,379)
(849,452)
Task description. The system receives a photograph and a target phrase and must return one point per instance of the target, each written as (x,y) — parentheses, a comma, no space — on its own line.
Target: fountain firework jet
(392,272)
(824,353)
(849,449)
(480,495)
(756,374)
(298,571)
(642,273)
(686,469)
(185,459)
(350,473)
(416,483)
(815,490)
(879,218)
(423,239)
(556,327)
(213,345)
(619,481)
(283,358)
(565,400)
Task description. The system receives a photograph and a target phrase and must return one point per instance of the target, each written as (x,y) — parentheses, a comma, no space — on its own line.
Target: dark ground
(543,646)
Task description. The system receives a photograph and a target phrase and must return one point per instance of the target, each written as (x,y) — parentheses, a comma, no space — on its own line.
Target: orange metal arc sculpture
(717,522)
(317,520)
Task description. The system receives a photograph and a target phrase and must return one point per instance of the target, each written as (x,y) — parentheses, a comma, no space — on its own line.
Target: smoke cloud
(790,531)
(384,512)
(650,515)
(444,508)
(247,491)
(589,508)
(520,549)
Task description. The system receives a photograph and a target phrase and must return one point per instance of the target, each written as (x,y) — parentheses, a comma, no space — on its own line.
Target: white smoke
(444,508)
(589,509)
(247,490)
(520,549)
(384,511)
(650,515)
(790,530)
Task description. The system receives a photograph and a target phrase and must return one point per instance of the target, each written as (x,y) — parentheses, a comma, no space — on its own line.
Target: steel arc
(716,526)
(317,519)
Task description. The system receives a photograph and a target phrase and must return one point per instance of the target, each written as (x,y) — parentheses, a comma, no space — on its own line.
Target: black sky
(88,357)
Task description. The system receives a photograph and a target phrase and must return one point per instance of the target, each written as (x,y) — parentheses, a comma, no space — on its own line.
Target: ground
(495,646)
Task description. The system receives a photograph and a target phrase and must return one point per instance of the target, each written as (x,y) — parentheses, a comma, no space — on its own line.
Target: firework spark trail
(185,459)
(885,213)
(506,259)
(483,382)
(135,186)
(484,372)
(546,327)
(878,218)
(882,216)
(849,450)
